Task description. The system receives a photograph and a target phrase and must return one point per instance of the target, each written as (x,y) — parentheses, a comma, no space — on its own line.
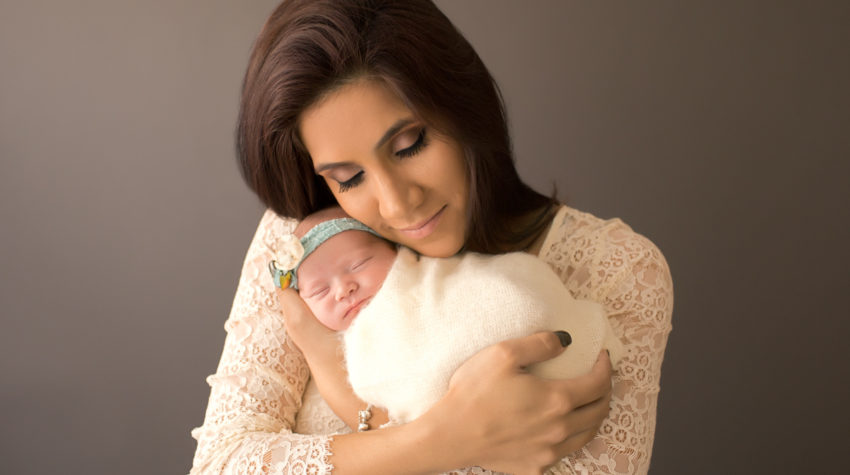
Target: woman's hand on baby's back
(513,421)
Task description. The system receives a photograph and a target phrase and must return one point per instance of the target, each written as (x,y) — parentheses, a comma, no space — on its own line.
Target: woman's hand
(508,420)
(317,342)
(495,414)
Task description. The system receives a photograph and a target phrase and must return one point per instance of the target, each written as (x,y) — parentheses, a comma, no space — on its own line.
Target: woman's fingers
(576,441)
(293,306)
(303,327)
(527,350)
(584,424)
(530,422)
(589,416)
(583,419)
(590,387)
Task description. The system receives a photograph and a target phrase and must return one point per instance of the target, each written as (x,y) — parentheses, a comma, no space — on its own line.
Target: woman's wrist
(415,448)
(439,441)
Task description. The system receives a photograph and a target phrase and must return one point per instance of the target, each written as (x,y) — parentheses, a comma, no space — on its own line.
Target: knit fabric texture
(432,314)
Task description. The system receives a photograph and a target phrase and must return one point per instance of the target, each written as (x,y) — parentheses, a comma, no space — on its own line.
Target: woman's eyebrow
(400,124)
(327,166)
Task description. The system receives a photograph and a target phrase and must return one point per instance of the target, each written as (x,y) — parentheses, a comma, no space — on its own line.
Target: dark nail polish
(565,337)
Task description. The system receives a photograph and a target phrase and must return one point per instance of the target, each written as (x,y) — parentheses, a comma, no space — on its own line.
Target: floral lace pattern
(256,392)
(264,416)
(607,262)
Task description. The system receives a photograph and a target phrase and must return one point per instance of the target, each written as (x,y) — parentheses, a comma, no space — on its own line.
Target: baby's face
(343,274)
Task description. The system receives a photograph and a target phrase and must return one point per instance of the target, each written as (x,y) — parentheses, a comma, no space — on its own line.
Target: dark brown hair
(309,47)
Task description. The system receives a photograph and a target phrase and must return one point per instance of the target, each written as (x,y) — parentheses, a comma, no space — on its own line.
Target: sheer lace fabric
(265,416)
(256,393)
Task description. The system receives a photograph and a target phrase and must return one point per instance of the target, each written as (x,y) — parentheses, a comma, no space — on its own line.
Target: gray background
(717,129)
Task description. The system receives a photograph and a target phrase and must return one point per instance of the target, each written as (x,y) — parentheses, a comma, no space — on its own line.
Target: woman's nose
(397,196)
(345,289)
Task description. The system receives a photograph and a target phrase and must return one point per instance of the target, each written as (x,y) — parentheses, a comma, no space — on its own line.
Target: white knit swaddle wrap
(431,315)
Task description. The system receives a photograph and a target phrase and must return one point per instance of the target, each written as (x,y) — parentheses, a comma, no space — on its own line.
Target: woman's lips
(424,229)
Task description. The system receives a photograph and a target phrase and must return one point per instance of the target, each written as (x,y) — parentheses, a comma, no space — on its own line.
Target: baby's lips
(354,310)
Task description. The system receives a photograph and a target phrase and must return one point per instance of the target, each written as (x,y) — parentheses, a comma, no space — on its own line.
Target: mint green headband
(297,251)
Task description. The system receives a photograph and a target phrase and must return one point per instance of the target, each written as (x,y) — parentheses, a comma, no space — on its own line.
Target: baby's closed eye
(318,293)
(359,264)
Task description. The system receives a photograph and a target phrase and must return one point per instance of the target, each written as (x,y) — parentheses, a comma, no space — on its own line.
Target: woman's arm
(495,414)
(257,388)
(323,353)
(611,264)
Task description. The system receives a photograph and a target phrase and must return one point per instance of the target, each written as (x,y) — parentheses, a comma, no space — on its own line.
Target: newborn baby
(408,321)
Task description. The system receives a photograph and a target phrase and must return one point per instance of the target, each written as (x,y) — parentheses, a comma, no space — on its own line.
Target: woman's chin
(438,249)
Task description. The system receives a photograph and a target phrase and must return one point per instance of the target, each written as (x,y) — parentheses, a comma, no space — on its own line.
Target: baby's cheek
(327,315)
(316,309)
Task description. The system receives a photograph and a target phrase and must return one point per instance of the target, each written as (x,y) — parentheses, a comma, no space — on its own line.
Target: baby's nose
(346,289)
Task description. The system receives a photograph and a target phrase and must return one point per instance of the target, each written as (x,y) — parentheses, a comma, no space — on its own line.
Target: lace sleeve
(256,391)
(607,262)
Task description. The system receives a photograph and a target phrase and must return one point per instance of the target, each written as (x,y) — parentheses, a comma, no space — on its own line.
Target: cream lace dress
(265,416)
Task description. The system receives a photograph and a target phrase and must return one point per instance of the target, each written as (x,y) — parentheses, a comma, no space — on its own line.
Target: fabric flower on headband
(292,251)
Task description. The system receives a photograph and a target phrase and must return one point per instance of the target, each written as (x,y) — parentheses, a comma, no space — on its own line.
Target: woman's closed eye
(419,140)
(411,150)
(351,182)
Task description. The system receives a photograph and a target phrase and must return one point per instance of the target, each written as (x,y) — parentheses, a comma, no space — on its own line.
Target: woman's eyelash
(415,148)
(351,182)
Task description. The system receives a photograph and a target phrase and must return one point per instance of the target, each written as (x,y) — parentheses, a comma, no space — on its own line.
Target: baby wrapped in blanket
(409,321)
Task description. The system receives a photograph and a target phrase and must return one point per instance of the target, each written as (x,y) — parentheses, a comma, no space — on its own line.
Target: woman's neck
(535,243)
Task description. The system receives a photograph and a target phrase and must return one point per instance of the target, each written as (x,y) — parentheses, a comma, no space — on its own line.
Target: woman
(384,108)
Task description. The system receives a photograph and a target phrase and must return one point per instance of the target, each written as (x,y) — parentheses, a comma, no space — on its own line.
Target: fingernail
(565,337)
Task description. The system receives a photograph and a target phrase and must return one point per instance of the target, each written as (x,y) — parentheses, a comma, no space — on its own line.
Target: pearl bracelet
(363,419)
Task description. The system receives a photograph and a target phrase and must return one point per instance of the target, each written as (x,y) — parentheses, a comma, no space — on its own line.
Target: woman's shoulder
(571,221)
(271,229)
(591,253)
(572,228)
(271,223)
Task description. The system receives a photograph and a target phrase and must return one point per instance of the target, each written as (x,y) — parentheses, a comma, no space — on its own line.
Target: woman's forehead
(354,118)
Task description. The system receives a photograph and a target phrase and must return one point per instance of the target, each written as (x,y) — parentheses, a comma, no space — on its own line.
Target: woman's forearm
(411,449)
(327,368)
(494,413)
(322,350)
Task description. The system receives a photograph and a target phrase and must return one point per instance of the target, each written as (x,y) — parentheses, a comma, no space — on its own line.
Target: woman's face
(389,170)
